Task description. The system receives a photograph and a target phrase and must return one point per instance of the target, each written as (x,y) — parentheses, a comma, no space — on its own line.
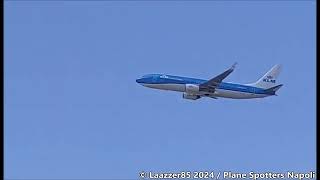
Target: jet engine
(192,88)
(190,96)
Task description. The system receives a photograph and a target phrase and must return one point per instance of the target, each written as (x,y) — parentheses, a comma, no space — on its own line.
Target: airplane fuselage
(189,86)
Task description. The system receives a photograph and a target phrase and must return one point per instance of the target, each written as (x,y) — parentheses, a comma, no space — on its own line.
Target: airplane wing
(211,84)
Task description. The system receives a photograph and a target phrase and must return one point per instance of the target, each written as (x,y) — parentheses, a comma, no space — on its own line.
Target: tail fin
(269,79)
(274,89)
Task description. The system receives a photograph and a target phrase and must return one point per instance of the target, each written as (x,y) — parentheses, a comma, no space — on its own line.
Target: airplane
(194,89)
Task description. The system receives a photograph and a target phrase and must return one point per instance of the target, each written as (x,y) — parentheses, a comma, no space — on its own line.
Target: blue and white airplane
(196,88)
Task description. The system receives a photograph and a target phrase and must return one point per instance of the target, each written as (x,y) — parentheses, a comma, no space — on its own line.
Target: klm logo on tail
(269,79)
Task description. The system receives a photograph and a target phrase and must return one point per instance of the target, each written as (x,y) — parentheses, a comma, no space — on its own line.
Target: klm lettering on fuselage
(163,76)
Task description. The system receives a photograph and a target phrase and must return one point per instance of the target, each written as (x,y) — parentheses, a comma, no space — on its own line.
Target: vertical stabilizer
(269,79)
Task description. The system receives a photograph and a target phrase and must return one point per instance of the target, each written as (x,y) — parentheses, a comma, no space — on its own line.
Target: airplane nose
(139,80)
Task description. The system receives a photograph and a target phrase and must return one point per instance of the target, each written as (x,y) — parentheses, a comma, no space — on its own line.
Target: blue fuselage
(224,89)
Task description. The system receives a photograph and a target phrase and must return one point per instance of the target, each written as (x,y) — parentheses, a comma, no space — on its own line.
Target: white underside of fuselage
(218,92)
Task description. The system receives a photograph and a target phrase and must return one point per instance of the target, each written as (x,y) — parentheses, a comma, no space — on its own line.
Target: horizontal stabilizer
(274,89)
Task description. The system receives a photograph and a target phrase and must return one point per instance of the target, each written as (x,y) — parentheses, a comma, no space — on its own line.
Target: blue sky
(73,109)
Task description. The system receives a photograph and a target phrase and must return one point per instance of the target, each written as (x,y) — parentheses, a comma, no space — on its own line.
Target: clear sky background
(73,109)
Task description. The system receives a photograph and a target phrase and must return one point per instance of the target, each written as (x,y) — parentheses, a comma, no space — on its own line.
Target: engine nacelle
(192,88)
(190,96)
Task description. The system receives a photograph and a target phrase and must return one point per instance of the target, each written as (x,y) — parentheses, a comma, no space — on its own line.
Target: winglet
(234,65)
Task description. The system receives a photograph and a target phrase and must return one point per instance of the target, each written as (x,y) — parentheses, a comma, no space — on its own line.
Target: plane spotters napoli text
(228,175)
